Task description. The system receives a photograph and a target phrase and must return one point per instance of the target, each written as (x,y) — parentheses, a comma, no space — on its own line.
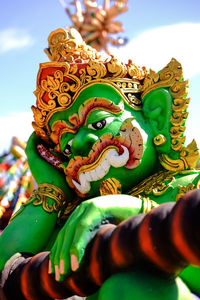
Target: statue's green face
(102,137)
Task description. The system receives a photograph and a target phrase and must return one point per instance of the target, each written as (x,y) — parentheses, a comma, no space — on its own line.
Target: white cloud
(15,124)
(155,48)
(12,38)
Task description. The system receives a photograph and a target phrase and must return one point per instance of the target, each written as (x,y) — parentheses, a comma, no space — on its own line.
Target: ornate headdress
(75,66)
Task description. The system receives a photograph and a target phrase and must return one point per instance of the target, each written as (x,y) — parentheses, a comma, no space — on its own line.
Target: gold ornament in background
(96,23)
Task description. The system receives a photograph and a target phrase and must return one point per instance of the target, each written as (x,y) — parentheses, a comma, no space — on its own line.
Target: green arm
(84,222)
(29,231)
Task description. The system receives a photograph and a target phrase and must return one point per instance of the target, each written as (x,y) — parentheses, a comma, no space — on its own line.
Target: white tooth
(112,158)
(105,165)
(117,160)
(88,176)
(77,185)
(100,171)
(84,182)
(94,175)
(91,175)
(84,185)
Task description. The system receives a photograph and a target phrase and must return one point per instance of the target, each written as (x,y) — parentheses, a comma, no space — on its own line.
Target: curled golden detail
(159,140)
(130,90)
(96,69)
(40,132)
(157,184)
(176,131)
(171,76)
(136,72)
(150,82)
(110,186)
(191,154)
(68,46)
(64,99)
(41,196)
(39,116)
(64,214)
(62,87)
(116,68)
(182,190)
(180,104)
(147,204)
(178,118)
(73,67)
(173,165)
(187,159)
(45,191)
(179,89)
(176,144)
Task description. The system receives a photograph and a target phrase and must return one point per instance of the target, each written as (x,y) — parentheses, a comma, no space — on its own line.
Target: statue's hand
(82,225)
(42,171)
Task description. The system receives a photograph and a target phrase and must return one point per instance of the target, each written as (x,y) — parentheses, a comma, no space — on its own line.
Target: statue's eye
(101,124)
(67,151)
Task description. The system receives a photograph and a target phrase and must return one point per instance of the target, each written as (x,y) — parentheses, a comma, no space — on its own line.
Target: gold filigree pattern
(68,46)
(147,204)
(171,77)
(75,66)
(183,190)
(45,191)
(59,89)
(159,140)
(187,160)
(110,186)
(64,214)
(41,197)
(157,184)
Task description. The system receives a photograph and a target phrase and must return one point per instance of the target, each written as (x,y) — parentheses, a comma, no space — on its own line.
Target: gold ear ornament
(159,140)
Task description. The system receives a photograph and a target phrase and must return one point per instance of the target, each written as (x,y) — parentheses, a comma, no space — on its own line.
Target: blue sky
(157,31)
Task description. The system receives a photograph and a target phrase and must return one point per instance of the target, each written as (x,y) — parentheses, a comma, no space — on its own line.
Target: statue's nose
(82,142)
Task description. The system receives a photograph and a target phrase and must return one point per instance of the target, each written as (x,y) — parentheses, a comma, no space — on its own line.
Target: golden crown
(75,65)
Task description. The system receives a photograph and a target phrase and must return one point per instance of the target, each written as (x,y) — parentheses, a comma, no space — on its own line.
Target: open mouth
(109,151)
(111,158)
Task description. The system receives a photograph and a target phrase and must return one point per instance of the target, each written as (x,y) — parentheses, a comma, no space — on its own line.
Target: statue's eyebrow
(79,119)
(98,103)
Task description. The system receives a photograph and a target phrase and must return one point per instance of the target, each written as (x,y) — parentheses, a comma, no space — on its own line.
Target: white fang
(112,158)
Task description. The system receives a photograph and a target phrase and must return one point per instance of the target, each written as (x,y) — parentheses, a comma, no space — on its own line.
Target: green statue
(108,156)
